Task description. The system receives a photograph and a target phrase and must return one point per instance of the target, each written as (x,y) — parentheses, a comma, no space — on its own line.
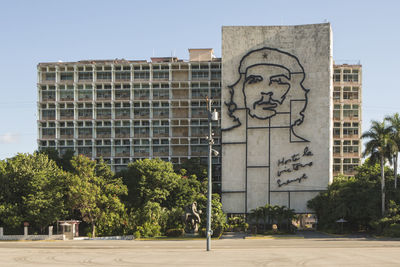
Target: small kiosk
(69,228)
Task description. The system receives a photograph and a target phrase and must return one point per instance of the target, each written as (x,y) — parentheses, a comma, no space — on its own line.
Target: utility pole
(211,117)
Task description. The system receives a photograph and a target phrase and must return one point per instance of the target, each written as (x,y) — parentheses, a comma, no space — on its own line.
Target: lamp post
(212,116)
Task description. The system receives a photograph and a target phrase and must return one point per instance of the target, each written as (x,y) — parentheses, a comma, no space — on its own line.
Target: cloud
(9,138)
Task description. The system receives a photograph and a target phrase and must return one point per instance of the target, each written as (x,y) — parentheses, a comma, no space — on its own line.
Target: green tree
(379,146)
(94,192)
(154,183)
(395,127)
(356,199)
(257,215)
(63,161)
(218,217)
(150,180)
(192,166)
(32,189)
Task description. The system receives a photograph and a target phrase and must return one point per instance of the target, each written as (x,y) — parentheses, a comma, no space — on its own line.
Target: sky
(49,31)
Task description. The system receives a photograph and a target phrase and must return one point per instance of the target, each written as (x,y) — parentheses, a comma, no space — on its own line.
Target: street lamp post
(211,117)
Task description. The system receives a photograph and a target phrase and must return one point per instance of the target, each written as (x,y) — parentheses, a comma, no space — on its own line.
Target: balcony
(85,136)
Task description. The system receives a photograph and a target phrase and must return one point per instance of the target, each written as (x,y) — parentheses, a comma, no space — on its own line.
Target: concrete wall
(277,124)
(26,236)
(205,54)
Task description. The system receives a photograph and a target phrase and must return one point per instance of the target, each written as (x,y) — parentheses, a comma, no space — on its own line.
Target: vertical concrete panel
(280,198)
(232,157)
(234,202)
(276,102)
(258,142)
(257,180)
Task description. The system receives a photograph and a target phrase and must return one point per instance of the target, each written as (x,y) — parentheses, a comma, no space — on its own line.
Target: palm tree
(380,144)
(257,215)
(395,127)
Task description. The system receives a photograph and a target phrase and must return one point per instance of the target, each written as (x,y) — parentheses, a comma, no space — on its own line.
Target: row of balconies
(138,132)
(104,76)
(127,66)
(174,113)
(51,96)
(140,151)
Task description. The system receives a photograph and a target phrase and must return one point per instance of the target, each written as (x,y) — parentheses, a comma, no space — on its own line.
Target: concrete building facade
(277,115)
(347,89)
(123,110)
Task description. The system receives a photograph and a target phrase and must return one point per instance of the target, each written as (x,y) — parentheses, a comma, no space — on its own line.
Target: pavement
(317,250)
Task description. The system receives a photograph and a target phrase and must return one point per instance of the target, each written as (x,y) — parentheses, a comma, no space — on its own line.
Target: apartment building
(347,88)
(124,110)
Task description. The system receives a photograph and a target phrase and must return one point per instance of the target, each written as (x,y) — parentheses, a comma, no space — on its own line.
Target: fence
(26,236)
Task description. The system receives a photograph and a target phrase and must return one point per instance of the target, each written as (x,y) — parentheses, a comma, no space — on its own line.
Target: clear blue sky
(42,31)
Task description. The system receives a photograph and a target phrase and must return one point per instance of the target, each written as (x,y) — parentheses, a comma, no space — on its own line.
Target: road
(226,252)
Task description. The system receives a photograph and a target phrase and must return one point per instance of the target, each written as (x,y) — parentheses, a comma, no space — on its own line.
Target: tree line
(369,201)
(146,199)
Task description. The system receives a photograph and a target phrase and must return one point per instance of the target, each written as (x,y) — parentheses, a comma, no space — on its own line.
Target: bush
(178,232)
(149,229)
(136,235)
(393,230)
(237,224)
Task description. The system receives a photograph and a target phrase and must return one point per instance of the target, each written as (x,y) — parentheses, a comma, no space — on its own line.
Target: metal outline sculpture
(232,107)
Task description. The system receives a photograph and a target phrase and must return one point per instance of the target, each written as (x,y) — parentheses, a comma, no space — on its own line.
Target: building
(347,88)
(277,126)
(124,110)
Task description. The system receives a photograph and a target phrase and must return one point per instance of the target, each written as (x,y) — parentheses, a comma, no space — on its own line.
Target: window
(123,75)
(48,95)
(48,132)
(103,94)
(200,93)
(200,74)
(85,95)
(336,111)
(85,132)
(336,75)
(50,77)
(350,75)
(160,94)
(141,94)
(103,132)
(66,95)
(160,149)
(160,131)
(102,75)
(144,75)
(103,113)
(66,132)
(67,76)
(122,132)
(215,74)
(85,76)
(66,113)
(160,74)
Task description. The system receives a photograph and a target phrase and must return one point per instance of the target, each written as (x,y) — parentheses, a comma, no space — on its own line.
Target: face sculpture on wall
(270,83)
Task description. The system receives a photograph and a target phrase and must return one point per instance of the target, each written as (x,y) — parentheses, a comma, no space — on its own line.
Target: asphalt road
(226,252)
